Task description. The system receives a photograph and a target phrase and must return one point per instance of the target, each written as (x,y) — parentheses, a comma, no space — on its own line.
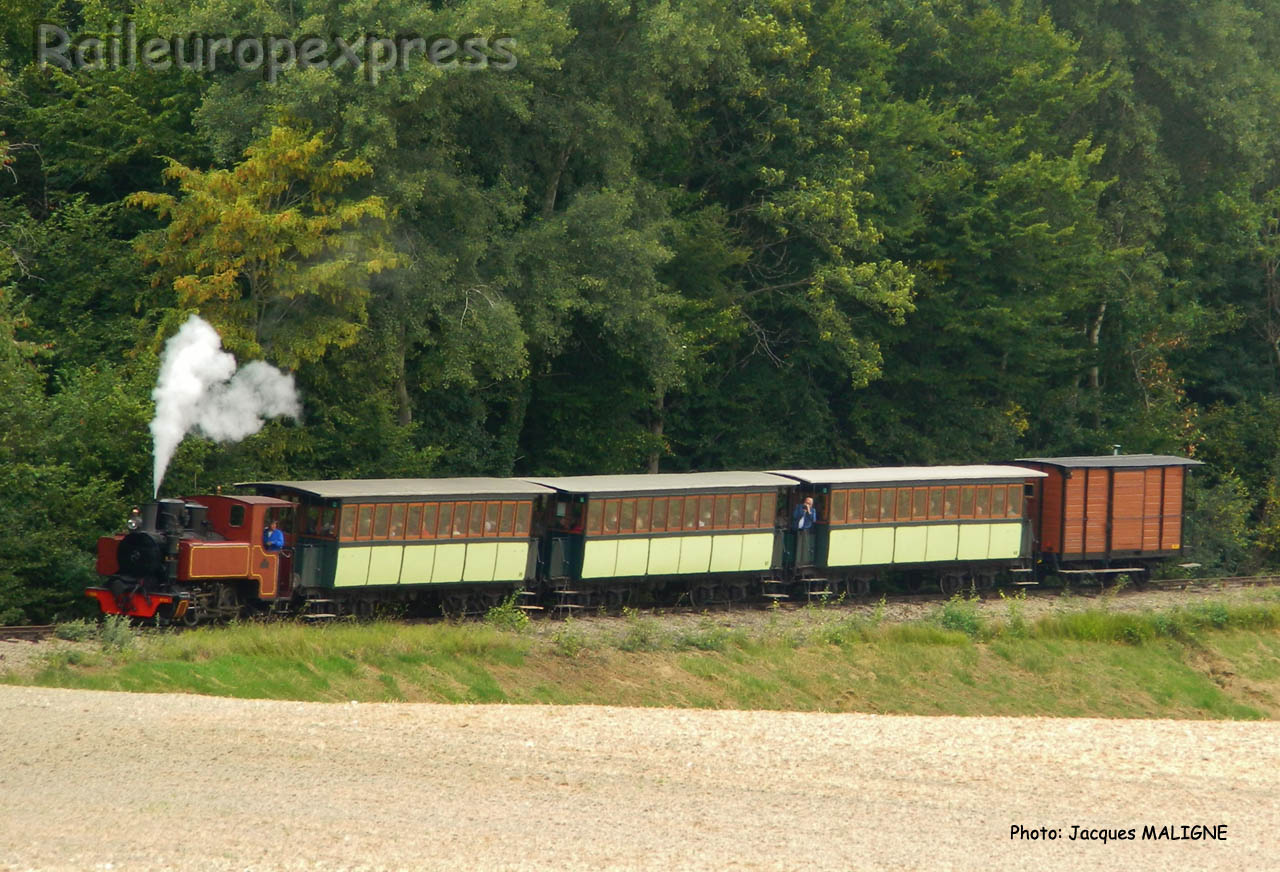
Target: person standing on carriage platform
(805,516)
(802,521)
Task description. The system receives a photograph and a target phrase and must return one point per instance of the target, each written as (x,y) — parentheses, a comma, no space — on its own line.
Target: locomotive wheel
(860,586)
(228,606)
(949,585)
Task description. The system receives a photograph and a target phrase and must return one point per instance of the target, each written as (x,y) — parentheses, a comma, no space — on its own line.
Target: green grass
(1212,660)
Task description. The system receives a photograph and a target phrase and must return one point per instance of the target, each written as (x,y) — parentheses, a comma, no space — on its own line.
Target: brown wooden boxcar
(1119,506)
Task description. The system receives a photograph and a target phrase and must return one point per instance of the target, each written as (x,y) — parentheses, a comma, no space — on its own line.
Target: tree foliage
(688,235)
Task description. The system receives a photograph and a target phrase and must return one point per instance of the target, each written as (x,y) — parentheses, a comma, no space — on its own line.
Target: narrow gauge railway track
(1223,582)
(1087,590)
(33,633)
(38,632)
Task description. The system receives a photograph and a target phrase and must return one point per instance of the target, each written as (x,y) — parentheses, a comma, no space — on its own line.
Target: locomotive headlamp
(135,519)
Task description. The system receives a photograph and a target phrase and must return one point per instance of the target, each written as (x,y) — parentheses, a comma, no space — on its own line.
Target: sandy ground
(115,781)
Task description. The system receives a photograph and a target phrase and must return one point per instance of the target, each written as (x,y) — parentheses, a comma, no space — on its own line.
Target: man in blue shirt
(805,515)
(272,537)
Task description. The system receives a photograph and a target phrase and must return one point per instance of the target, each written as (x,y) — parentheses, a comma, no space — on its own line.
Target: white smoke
(200,390)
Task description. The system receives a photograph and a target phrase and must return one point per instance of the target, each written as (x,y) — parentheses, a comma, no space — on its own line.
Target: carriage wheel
(949,584)
(616,598)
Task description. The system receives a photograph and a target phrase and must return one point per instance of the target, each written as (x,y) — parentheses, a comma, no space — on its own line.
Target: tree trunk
(402,387)
(553,183)
(655,427)
(1094,333)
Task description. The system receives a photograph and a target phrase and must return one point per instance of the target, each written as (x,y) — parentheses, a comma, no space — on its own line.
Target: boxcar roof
(663,481)
(1112,461)
(881,474)
(370,488)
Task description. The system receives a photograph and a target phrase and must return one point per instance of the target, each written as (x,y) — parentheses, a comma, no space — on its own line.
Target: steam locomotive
(188,560)
(459,545)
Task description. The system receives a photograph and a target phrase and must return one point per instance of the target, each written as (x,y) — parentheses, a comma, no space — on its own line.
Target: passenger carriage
(709,535)
(953,525)
(466,541)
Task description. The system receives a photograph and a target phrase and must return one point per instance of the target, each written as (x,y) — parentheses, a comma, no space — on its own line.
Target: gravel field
(94,781)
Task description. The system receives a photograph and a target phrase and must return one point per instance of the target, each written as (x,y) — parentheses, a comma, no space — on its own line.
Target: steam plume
(200,390)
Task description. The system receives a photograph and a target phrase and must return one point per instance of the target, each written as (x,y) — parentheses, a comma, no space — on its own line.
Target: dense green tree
(675,235)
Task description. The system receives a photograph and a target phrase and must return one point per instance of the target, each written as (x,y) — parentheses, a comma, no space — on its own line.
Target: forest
(670,235)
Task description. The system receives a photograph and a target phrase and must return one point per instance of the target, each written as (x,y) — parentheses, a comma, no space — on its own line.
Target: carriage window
(751,510)
(769,509)
(523,512)
(595,514)
(920,503)
(720,517)
(461,514)
(311,521)
(397,520)
(706,511)
(508,522)
(736,515)
(871,508)
(429,520)
(413,521)
(688,514)
(838,499)
(476,527)
(492,511)
(365,530)
(904,504)
(982,504)
(643,507)
(952,503)
(611,516)
(381,521)
(855,506)
(675,513)
(445,525)
(1013,508)
(349,521)
(997,502)
(237,516)
(887,503)
(627,517)
(935,502)
(966,501)
(659,514)
(690,519)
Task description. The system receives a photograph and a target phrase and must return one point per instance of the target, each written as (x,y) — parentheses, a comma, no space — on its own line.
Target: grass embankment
(1213,660)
